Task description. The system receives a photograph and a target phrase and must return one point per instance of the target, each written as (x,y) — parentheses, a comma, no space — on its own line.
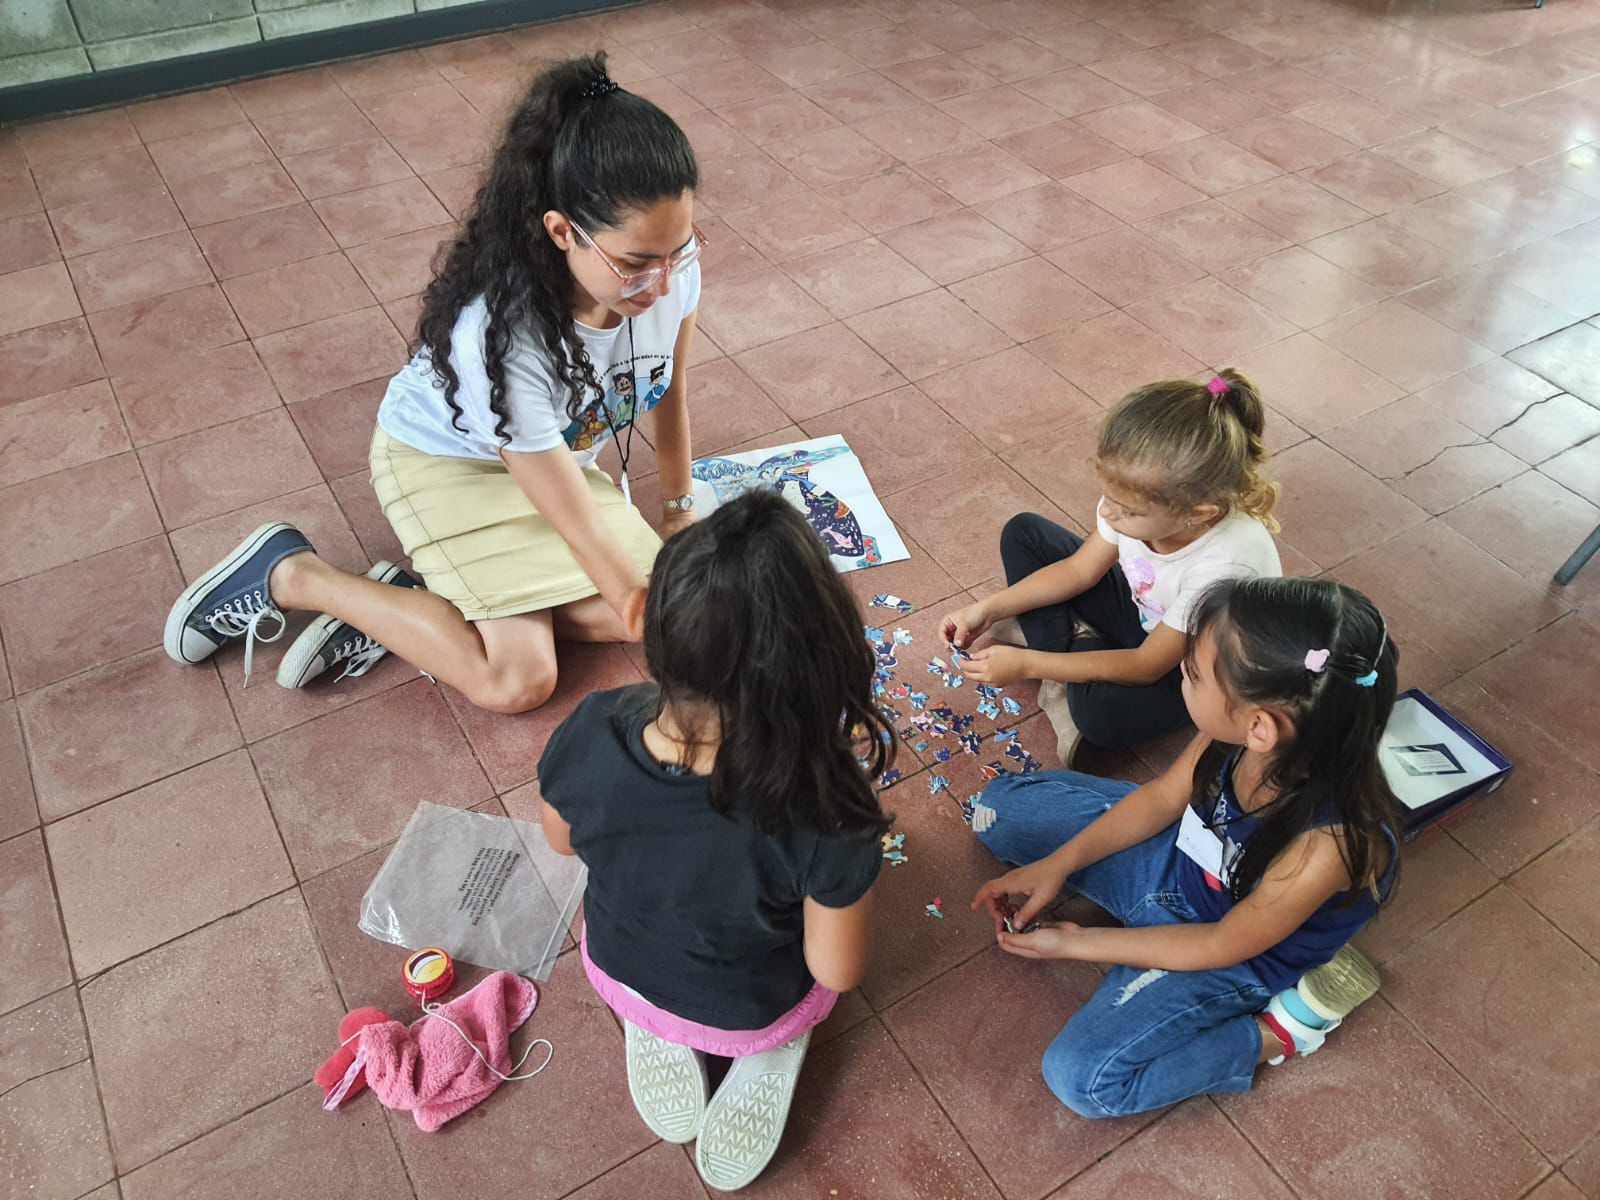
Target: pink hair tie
(1316,660)
(1219,386)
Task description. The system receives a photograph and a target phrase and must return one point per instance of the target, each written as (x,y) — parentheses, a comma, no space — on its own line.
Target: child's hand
(1040,882)
(1055,939)
(999,665)
(962,626)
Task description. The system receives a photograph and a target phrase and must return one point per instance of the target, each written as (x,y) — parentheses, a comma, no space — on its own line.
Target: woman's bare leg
(506,665)
(589,620)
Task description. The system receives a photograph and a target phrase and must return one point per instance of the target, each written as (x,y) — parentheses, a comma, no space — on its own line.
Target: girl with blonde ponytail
(1186,503)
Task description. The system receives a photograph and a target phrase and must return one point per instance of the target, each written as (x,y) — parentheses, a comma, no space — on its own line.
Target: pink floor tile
(56,1136)
(141,1022)
(103,223)
(61,430)
(958,516)
(328,819)
(167,858)
(264,240)
(777,118)
(1553,885)
(998,111)
(288,1143)
(980,173)
(346,168)
(1402,345)
(46,1035)
(372,529)
(72,514)
(1213,165)
(47,359)
(209,152)
(1480,304)
(1178,1156)
(1211,321)
(861,1112)
(1576,468)
(745,179)
(1331,510)
(145,335)
(379,212)
(1441,879)
(1295,207)
(236,192)
(285,93)
(927,334)
(915,133)
(1547,689)
(1113,354)
(190,112)
(757,308)
(1125,265)
(1298,285)
(1140,127)
(830,156)
(296,294)
(901,437)
(801,66)
(819,371)
(1048,216)
(18,812)
(1213,235)
(1062,149)
(1075,90)
(1493,607)
(1060,464)
(1007,398)
(858,97)
(400,266)
(33,924)
(1133,189)
(138,271)
(77,180)
(1288,142)
(891,199)
(1491,396)
(314,359)
(1384,255)
(1428,1125)
(337,427)
(1548,797)
(1530,523)
(86,613)
(188,485)
(36,296)
(663,1171)
(1459,989)
(27,241)
(857,278)
(1029,299)
(795,227)
(1570,359)
(193,391)
(985,1072)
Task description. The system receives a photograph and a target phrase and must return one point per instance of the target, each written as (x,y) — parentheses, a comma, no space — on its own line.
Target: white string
(513,1078)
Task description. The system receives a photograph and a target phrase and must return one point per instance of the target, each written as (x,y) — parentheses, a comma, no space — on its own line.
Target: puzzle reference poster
(824,480)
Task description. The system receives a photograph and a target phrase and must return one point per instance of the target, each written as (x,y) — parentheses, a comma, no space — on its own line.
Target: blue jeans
(1146,1038)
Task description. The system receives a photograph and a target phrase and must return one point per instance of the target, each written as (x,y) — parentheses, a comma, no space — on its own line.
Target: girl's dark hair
(747,615)
(1182,443)
(1329,770)
(576,145)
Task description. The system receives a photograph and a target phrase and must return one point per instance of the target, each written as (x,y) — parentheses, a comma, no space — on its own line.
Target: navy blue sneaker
(231,600)
(328,641)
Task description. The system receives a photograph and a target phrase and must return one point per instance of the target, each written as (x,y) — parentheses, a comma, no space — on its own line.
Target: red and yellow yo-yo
(428,974)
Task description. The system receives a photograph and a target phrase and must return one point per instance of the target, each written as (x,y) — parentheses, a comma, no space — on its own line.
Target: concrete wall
(56,39)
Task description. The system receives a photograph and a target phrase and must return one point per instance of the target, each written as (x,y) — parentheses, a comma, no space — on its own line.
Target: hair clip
(1316,660)
(1367,680)
(599,86)
(1371,677)
(1219,386)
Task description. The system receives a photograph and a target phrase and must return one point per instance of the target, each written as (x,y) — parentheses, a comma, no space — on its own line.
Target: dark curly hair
(747,616)
(572,147)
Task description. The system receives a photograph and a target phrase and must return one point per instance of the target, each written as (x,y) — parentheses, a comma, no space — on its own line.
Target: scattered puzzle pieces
(937,784)
(936,909)
(886,600)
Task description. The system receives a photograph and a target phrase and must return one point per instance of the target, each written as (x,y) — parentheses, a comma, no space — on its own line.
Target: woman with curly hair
(564,309)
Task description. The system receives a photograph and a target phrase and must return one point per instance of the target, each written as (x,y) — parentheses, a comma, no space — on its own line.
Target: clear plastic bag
(487,889)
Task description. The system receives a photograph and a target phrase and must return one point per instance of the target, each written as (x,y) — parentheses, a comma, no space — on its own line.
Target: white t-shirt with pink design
(1166,586)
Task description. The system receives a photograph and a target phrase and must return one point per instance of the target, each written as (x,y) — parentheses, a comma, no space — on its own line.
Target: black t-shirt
(700,913)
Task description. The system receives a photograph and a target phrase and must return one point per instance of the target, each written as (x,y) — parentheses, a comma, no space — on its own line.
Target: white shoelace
(363,654)
(242,617)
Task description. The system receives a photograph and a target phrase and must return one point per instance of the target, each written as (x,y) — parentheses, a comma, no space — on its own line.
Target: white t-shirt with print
(414,410)
(1166,586)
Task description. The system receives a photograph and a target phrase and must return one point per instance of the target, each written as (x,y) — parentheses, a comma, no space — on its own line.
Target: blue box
(1434,762)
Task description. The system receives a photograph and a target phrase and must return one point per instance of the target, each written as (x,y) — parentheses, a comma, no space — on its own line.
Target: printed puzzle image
(823,479)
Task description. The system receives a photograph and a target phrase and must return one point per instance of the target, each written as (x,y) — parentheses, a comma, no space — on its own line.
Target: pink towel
(428,1067)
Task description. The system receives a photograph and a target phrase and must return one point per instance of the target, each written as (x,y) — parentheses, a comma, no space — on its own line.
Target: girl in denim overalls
(1239,874)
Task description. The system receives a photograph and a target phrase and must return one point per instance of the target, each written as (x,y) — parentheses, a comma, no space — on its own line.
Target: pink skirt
(729,1043)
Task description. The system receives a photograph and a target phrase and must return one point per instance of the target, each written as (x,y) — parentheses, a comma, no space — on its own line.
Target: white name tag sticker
(1201,845)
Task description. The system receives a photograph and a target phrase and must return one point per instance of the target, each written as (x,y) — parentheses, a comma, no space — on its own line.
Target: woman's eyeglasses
(637,283)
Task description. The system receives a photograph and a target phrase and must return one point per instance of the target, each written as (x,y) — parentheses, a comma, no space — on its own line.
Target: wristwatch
(678,504)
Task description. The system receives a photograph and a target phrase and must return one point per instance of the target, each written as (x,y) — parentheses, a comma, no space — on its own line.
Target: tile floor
(954,232)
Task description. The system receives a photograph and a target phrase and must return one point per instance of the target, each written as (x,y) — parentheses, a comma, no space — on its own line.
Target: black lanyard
(625,451)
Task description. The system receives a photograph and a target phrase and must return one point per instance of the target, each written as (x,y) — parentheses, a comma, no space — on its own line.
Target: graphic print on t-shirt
(592,427)
(1141,573)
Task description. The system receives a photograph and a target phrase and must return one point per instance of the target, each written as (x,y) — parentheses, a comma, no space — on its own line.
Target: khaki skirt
(474,537)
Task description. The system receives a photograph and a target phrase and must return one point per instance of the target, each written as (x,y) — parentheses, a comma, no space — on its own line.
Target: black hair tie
(601,85)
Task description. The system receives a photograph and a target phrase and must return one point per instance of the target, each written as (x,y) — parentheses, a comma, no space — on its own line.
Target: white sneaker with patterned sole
(745,1119)
(668,1084)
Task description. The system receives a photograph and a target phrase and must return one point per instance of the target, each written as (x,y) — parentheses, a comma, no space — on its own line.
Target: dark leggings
(1111,715)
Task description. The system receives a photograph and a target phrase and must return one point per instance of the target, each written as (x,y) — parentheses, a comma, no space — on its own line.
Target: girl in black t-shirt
(728,821)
